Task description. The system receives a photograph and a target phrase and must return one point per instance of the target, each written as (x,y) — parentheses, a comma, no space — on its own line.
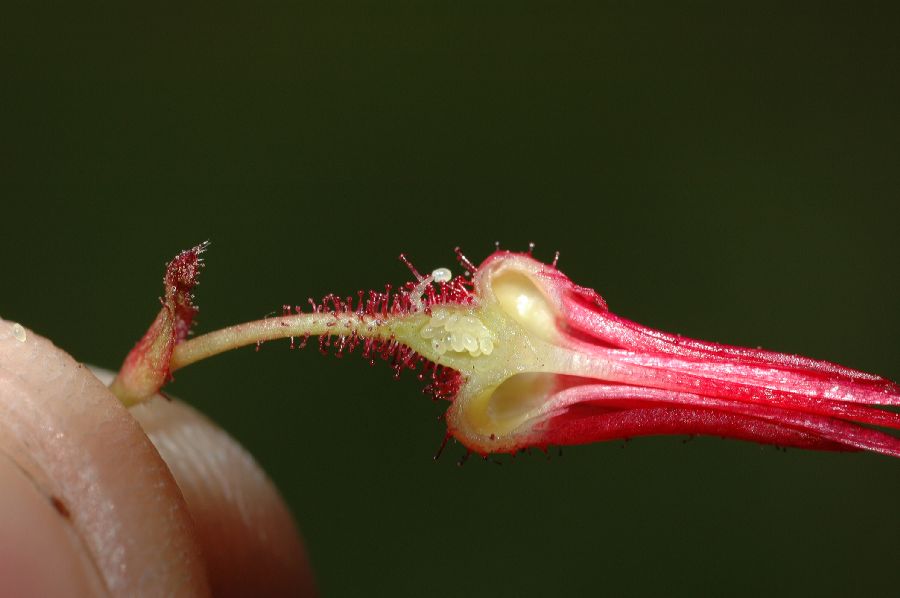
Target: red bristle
(444,382)
(412,268)
(464,261)
(440,450)
(386,299)
(425,369)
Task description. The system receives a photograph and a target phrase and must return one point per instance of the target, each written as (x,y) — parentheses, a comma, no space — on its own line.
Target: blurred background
(730,174)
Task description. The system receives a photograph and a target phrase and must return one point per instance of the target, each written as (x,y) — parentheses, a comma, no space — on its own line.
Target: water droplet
(19,332)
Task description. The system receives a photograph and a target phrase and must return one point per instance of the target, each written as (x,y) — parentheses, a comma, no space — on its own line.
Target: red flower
(529,359)
(574,373)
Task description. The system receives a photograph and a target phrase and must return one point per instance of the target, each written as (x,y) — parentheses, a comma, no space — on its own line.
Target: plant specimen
(527,358)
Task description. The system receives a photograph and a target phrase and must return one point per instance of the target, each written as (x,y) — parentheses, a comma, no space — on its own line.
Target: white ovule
(449,331)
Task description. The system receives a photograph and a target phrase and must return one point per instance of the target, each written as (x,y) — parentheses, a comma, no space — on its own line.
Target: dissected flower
(527,358)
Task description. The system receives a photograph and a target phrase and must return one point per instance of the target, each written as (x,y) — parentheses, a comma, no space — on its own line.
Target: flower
(566,370)
(529,359)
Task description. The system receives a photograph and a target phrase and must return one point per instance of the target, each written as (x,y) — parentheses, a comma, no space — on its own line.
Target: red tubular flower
(590,375)
(529,359)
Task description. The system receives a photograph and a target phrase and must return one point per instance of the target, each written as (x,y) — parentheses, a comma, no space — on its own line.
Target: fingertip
(82,451)
(100,500)
(41,554)
(247,534)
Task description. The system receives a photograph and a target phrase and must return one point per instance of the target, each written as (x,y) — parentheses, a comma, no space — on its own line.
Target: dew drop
(19,332)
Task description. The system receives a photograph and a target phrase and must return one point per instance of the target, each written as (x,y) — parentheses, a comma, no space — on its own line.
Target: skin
(99,499)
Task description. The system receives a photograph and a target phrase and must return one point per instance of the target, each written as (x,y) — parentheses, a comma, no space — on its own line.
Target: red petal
(639,411)
(584,425)
(619,332)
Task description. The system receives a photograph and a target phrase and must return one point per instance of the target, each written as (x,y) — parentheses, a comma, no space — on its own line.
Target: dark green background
(730,174)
